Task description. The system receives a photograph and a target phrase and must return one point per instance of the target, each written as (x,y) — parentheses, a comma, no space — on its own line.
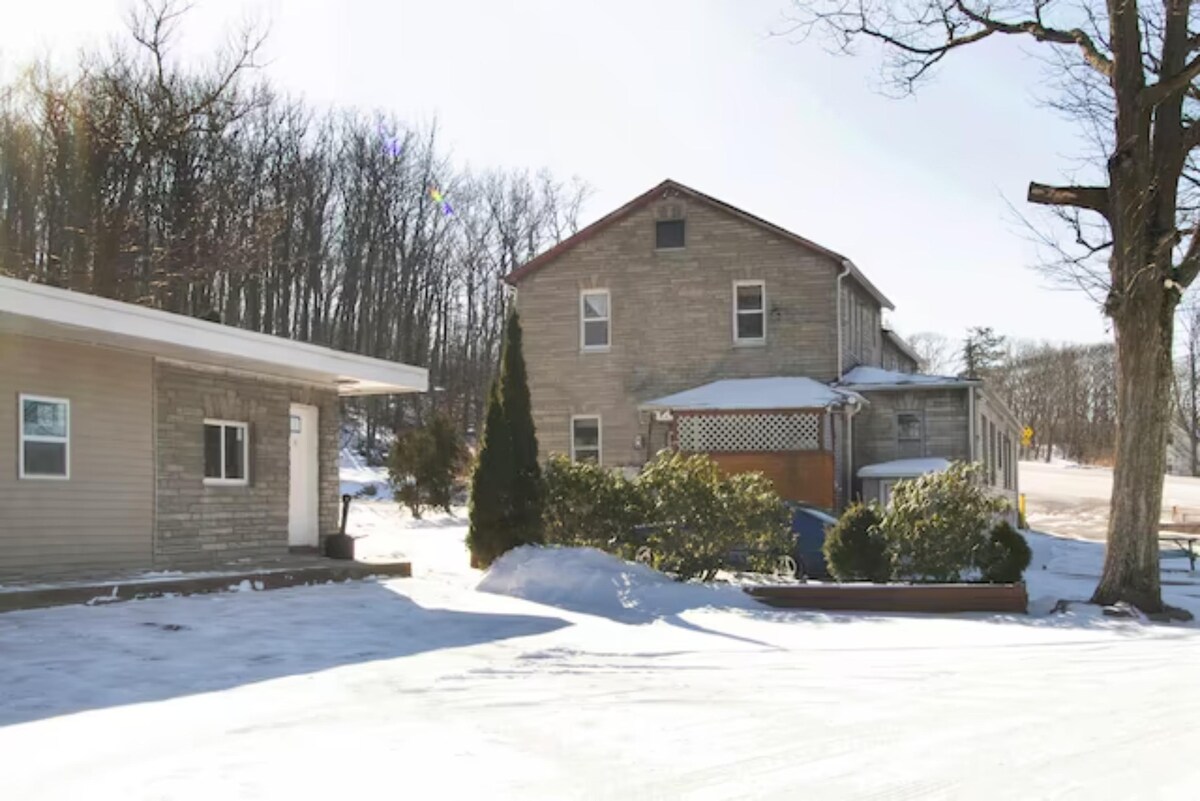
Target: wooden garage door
(798,475)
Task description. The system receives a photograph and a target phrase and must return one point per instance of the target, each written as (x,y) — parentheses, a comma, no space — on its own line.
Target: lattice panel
(723,433)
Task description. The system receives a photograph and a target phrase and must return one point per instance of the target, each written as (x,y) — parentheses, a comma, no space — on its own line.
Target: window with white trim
(45,437)
(226,452)
(585,439)
(749,312)
(594,318)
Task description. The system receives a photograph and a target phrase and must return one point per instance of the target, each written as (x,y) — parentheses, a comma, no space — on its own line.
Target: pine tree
(506,490)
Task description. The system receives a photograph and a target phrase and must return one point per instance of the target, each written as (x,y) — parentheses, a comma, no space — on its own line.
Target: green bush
(1005,556)
(937,523)
(589,505)
(424,463)
(699,517)
(855,548)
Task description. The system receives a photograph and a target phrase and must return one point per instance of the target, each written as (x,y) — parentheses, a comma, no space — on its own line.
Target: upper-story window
(669,234)
(749,312)
(594,319)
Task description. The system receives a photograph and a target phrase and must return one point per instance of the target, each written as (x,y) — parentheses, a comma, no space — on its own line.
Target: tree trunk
(1144,328)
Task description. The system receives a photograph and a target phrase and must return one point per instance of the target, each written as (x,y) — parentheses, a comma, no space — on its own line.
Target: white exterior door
(302,488)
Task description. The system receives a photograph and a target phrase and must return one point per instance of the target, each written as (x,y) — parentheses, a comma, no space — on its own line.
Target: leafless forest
(201,190)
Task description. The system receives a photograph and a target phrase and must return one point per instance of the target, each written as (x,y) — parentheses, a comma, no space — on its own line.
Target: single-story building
(913,420)
(134,438)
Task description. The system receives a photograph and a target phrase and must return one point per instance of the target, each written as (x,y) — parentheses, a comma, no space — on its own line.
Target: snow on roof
(775,392)
(903,468)
(876,377)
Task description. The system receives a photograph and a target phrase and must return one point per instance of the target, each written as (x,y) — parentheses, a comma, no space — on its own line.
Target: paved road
(1073,500)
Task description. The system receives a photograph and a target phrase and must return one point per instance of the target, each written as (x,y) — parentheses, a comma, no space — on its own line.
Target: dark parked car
(809,525)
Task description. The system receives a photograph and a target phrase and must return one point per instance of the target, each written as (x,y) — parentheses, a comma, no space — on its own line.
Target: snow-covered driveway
(427,688)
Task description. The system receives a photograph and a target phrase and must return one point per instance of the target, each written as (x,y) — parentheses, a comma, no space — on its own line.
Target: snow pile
(866,377)
(596,583)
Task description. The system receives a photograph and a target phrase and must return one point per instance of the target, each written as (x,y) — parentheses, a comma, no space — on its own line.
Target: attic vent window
(668,234)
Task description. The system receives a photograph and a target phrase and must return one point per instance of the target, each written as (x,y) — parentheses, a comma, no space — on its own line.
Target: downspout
(971,423)
(838,299)
(851,409)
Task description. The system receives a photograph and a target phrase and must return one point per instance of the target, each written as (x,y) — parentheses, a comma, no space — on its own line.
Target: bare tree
(937,352)
(1187,385)
(182,186)
(1127,71)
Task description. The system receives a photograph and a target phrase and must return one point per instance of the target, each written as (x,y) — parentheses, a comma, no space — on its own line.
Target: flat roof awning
(903,468)
(49,312)
(774,392)
(867,378)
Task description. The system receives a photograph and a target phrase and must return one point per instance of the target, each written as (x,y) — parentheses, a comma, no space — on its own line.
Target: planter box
(934,598)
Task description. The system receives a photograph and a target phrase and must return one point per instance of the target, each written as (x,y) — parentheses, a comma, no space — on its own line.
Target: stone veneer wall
(198,525)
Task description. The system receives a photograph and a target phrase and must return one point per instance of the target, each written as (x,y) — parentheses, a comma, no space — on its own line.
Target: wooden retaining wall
(933,598)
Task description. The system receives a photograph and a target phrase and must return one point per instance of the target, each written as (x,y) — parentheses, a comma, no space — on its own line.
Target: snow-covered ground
(360,479)
(574,675)
(1072,500)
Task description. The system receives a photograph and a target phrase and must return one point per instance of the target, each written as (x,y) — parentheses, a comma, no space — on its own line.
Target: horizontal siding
(102,518)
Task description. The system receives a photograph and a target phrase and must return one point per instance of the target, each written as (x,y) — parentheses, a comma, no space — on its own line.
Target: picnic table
(1183,536)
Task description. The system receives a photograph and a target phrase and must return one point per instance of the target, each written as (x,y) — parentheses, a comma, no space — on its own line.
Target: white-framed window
(595,306)
(749,312)
(226,453)
(585,439)
(45,437)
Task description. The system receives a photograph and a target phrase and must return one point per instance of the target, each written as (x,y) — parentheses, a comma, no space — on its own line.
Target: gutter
(838,300)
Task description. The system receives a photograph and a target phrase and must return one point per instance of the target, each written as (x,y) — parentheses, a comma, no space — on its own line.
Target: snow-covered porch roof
(903,468)
(44,311)
(869,378)
(742,394)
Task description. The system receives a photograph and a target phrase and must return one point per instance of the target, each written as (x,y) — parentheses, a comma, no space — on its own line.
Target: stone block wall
(671,321)
(199,525)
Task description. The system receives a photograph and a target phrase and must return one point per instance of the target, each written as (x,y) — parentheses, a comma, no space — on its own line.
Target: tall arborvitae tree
(527,500)
(506,491)
(491,486)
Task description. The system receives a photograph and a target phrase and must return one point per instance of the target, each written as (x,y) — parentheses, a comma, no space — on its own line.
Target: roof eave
(50,312)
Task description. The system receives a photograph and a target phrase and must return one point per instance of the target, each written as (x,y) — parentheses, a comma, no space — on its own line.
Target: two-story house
(681,321)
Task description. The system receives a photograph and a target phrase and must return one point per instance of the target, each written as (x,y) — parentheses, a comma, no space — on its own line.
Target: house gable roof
(664,189)
(901,344)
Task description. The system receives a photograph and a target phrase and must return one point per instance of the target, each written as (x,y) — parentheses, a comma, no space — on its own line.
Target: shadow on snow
(72,659)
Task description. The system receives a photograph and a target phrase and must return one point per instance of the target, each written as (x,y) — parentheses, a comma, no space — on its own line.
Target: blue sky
(918,191)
